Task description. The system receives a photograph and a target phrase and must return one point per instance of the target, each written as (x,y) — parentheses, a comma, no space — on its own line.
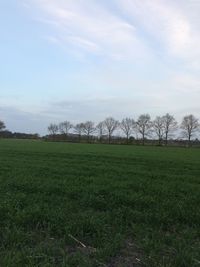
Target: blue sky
(88,59)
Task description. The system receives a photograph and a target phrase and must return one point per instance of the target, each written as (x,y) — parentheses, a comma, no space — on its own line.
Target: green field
(125,203)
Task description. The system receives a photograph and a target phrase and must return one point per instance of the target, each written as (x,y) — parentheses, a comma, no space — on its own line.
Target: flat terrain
(126,204)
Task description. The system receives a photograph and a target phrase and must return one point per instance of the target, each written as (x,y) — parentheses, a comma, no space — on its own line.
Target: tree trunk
(143,139)
(189,140)
(109,138)
(127,139)
(166,139)
(159,141)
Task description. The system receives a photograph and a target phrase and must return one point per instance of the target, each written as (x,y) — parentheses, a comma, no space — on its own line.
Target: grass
(102,195)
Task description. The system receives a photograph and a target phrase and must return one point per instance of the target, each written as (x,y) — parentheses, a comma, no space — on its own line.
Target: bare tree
(88,128)
(170,125)
(144,125)
(78,129)
(190,125)
(2,126)
(100,130)
(53,129)
(158,126)
(110,125)
(127,125)
(64,127)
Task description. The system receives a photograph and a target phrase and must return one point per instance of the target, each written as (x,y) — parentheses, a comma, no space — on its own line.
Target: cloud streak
(92,27)
(171,25)
(140,30)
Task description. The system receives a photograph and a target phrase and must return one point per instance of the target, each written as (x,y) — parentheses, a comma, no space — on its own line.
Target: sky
(81,60)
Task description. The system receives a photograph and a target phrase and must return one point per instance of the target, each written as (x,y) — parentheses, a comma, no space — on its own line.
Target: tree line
(162,128)
(4,133)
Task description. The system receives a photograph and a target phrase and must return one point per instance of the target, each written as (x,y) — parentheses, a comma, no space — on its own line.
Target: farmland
(124,203)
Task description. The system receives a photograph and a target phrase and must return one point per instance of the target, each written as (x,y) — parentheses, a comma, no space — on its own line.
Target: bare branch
(190,125)
(110,125)
(144,125)
(127,125)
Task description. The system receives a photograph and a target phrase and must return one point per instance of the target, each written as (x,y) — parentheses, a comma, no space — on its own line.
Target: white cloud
(52,39)
(84,43)
(92,27)
(170,25)
(187,83)
(141,29)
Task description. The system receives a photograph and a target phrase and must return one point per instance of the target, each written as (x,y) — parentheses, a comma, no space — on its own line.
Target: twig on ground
(101,263)
(79,242)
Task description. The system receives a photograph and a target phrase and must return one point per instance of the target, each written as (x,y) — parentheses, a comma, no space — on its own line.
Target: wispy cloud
(140,28)
(171,24)
(89,25)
